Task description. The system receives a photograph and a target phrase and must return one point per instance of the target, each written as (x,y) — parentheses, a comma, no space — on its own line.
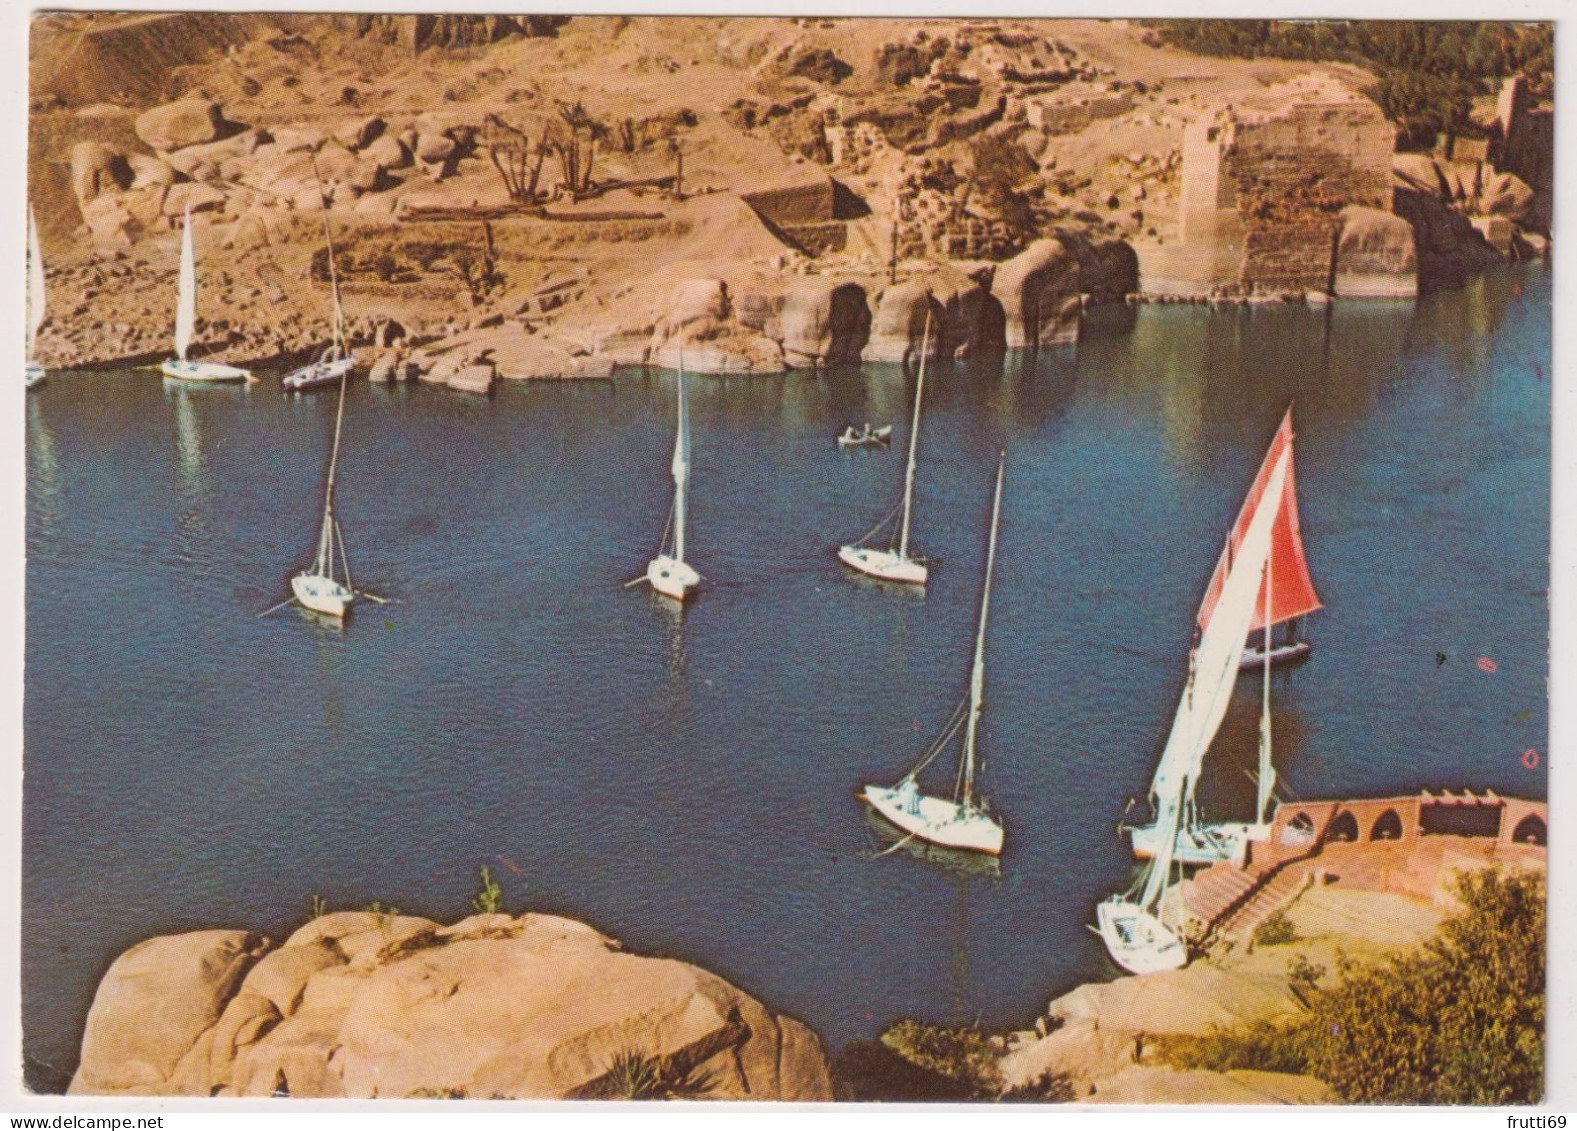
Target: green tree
(1459,1021)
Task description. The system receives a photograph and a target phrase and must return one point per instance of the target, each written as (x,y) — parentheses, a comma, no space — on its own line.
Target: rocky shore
(365,1004)
(550,199)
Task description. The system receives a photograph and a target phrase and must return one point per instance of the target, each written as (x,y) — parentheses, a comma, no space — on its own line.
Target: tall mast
(325,562)
(914,439)
(1267,774)
(328,240)
(186,287)
(681,467)
(977,677)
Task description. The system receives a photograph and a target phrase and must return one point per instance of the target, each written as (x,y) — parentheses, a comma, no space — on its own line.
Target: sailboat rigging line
(328,240)
(949,732)
(343,557)
(888,851)
(276,608)
(892,514)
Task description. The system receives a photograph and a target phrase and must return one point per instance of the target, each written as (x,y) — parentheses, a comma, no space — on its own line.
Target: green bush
(490,899)
(1275,931)
(1460,1021)
(963,1055)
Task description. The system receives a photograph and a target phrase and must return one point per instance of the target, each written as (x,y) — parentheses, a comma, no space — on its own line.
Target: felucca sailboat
(1286,592)
(961,821)
(1293,597)
(668,572)
(35,301)
(337,360)
(894,563)
(318,588)
(186,321)
(1134,925)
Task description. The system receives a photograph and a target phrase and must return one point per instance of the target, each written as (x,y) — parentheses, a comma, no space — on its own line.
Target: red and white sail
(1292,589)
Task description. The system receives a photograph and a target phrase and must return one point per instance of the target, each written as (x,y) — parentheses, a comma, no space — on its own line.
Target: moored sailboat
(895,563)
(1286,592)
(319,588)
(35,301)
(963,820)
(179,367)
(336,360)
(1293,596)
(668,573)
(1134,924)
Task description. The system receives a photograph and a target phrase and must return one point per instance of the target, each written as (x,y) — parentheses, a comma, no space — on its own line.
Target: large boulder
(97,169)
(972,319)
(1376,255)
(153,1005)
(899,317)
(1507,195)
(147,170)
(174,125)
(823,322)
(1450,250)
(1039,291)
(388,151)
(363,1005)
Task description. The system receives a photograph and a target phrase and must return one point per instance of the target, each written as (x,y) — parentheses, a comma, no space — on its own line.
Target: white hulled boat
(318,588)
(35,301)
(1133,924)
(895,562)
(668,572)
(962,820)
(336,360)
(1287,592)
(179,367)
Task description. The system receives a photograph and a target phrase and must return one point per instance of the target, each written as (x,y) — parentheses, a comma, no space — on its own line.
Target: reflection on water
(43,473)
(686,779)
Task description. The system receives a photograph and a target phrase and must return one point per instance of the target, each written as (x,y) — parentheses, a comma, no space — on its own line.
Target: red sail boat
(1291,594)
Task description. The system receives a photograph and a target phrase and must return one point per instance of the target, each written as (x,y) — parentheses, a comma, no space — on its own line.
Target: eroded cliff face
(366,1005)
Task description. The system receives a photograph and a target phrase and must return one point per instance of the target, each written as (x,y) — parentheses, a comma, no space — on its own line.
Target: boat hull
(1201,845)
(321,594)
(318,374)
(672,578)
(1138,941)
(883,564)
(36,375)
(208,372)
(1279,654)
(935,820)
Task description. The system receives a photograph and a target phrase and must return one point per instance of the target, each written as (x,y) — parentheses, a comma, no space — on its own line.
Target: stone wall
(1263,189)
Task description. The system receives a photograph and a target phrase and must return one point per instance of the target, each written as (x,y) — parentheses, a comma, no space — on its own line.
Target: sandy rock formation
(823,322)
(97,169)
(154,1004)
(1376,255)
(898,323)
(972,320)
(364,1005)
(1450,249)
(1039,291)
(175,125)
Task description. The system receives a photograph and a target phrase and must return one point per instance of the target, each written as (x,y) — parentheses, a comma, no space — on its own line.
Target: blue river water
(687,782)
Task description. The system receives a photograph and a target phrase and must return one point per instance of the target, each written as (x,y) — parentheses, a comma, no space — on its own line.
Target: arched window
(1387,827)
(1343,828)
(1530,830)
(1299,830)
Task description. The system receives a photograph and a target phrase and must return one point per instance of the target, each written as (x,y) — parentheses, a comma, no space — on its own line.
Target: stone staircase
(1228,902)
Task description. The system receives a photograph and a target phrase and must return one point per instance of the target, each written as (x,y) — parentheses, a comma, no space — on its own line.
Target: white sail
(914,441)
(977,677)
(35,283)
(186,301)
(681,468)
(1214,670)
